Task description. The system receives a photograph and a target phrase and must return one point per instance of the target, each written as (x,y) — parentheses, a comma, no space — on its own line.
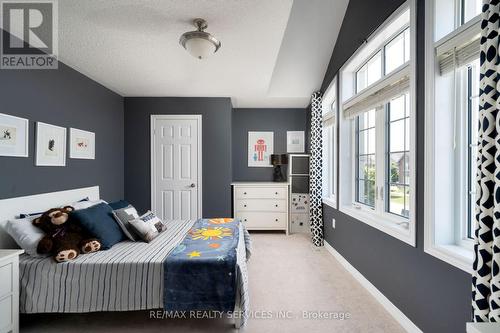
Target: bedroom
(315,170)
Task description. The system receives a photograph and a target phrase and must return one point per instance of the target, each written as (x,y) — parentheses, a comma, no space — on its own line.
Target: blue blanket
(200,273)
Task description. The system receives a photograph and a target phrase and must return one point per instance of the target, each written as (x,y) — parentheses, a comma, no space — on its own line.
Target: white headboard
(11,208)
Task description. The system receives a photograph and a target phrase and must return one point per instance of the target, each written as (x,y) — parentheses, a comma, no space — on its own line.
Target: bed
(129,276)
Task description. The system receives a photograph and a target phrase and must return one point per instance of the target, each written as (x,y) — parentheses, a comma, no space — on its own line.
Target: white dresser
(261,205)
(9,290)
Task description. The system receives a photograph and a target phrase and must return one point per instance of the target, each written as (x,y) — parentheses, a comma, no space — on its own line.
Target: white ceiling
(274,52)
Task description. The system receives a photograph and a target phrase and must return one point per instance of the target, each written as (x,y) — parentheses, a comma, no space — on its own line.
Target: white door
(176,166)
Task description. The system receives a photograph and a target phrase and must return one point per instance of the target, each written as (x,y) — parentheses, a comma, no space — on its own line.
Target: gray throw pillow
(123,217)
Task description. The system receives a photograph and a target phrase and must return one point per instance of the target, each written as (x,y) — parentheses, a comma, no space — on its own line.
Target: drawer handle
(276,193)
(245,220)
(276,220)
(276,205)
(245,193)
(244,205)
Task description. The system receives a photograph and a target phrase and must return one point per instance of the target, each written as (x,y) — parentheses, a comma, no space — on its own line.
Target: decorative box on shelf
(299,213)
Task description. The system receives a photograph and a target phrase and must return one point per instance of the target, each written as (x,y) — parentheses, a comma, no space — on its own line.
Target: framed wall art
(260,149)
(14,134)
(295,141)
(50,145)
(81,144)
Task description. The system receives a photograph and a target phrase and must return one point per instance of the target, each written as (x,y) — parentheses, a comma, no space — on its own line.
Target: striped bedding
(127,277)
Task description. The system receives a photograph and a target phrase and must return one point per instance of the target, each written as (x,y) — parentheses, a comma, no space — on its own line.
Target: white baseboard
(400,317)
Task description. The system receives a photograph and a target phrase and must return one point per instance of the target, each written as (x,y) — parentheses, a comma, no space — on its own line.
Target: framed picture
(260,148)
(50,145)
(295,142)
(14,134)
(81,144)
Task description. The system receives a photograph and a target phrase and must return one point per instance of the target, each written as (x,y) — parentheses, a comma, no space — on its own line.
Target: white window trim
(385,222)
(331,96)
(459,256)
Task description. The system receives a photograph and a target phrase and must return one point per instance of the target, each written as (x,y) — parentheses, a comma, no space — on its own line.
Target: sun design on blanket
(220,221)
(211,233)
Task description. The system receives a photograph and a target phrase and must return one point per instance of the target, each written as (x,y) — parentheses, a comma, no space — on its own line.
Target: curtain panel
(315,174)
(486,275)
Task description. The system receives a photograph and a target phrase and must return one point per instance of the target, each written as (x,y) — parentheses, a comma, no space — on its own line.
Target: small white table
(9,290)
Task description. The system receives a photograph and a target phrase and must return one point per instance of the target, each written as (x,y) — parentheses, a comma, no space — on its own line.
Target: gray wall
(277,120)
(216,125)
(436,296)
(65,98)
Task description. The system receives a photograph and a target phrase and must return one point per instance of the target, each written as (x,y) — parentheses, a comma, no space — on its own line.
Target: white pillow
(25,234)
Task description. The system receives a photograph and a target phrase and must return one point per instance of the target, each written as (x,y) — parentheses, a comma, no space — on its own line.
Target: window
(452,14)
(398,156)
(365,158)
(370,72)
(397,52)
(376,124)
(452,107)
(469,9)
(472,100)
(329,110)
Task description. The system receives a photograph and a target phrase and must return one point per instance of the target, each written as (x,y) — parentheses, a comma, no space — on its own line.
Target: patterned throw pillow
(148,226)
(123,217)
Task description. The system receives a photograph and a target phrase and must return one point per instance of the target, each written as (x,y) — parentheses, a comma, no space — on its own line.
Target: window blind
(379,94)
(459,47)
(459,56)
(329,119)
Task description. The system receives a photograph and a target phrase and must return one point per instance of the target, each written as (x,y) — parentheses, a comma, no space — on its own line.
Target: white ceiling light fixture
(200,44)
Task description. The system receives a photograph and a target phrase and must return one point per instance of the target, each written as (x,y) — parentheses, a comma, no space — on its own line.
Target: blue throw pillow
(98,221)
(119,204)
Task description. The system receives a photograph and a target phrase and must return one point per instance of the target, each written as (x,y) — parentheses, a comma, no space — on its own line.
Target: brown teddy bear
(63,239)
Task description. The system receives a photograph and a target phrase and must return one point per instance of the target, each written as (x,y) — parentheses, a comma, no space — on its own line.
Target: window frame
(330,110)
(388,153)
(457,250)
(378,217)
(369,58)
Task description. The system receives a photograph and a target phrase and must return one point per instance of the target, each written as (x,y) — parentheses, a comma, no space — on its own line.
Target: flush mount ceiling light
(200,44)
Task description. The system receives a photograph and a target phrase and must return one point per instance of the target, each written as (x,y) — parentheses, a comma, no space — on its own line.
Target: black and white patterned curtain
(486,276)
(315,165)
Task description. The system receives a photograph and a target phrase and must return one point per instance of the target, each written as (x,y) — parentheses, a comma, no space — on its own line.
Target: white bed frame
(11,208)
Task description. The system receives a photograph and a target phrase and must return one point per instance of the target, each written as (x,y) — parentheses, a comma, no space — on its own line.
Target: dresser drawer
(6,317)
(261,193)
(6,282)
(257,220)
(262,205)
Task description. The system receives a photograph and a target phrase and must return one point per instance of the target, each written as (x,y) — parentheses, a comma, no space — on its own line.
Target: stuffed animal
(64,239)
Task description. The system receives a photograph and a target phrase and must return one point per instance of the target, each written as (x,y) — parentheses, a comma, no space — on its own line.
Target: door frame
(198,118)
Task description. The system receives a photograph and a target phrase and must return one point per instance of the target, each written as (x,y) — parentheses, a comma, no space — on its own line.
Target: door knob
(192,185)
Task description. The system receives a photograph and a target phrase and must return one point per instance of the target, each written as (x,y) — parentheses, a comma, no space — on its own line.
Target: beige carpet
(287,277)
